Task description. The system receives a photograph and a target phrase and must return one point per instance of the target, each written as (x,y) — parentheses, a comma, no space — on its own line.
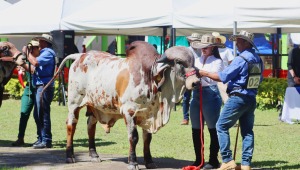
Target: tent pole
(234,32)
(173,37)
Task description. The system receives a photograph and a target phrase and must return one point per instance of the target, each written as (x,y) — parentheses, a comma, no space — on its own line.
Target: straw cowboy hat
(207,40)
(248,36)
(34,43)
(194,36)
(45,37)
(221,37)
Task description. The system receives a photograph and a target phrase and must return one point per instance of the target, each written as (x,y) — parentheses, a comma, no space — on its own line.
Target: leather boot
(197,147)
(213,162)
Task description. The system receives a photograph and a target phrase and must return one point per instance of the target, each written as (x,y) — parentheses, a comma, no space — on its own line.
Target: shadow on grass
(270,165)
(62,143)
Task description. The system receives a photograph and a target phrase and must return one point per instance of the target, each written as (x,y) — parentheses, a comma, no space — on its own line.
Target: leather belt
(236,94)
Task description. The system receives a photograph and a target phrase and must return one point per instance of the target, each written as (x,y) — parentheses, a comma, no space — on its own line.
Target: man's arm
(213,76)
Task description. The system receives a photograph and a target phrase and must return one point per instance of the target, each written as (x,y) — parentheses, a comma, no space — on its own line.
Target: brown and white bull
(139,88)
(10,57)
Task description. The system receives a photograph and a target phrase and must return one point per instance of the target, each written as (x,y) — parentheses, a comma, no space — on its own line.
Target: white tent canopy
(144,17)
(4,5)
(130,17)
(37,16)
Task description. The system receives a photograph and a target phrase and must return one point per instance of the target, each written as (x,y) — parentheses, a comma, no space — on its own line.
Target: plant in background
(271,93)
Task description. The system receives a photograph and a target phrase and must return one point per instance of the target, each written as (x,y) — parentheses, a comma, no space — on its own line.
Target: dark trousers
(186,104)
(27,103)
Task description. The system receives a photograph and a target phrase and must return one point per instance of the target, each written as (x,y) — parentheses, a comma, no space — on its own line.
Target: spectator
(208,107)
(227,57)
(28,98)
(43,71)
(293,77)
(242,99)
(187,94)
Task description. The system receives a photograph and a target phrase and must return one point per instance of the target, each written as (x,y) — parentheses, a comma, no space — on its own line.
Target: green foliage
(14,88)
(271,93)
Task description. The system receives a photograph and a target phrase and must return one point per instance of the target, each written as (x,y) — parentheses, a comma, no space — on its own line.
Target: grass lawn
(277,144)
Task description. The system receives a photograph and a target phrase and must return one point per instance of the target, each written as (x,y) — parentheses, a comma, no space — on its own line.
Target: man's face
(241,44)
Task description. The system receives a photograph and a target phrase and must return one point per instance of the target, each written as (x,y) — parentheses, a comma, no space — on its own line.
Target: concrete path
(48,159)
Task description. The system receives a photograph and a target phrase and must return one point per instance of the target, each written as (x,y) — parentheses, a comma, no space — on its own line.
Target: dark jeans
(27,103)
(42,120)
(186,104)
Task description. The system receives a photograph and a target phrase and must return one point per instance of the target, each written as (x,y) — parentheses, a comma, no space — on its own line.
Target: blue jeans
(43,121)
(237,108)
(211,106)
(186,104)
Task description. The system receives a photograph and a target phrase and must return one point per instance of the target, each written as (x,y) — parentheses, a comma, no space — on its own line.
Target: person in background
(187,94)
(293,76)
(43,71)
(28,98)
(206,101)
(240,75)
(227,57)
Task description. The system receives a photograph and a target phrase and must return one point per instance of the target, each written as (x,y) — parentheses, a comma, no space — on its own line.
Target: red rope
(201,138)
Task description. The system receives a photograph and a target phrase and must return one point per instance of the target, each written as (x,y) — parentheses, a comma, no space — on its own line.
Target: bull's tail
(72,57)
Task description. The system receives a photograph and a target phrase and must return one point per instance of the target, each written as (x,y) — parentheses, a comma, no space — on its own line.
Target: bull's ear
(158,74)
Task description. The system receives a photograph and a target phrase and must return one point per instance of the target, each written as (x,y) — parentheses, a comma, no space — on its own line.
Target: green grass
(276,143)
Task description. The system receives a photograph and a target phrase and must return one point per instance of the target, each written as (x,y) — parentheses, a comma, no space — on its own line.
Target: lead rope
(201,135)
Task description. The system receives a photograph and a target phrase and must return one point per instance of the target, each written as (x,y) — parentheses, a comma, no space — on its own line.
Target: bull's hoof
(133,167)
(70,160)
(95,159)
(151,165)
(94,156)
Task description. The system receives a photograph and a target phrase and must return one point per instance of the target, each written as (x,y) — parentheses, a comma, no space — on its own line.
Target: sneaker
(42,145)
(19,142)
(184,122)
(228,165)
(36,142)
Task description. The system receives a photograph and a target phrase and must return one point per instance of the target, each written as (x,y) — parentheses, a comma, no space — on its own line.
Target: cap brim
(198,44)
(222,38)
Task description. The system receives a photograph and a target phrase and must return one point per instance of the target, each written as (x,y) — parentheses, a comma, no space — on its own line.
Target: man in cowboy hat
(242,88)
(43,70)
(187,94)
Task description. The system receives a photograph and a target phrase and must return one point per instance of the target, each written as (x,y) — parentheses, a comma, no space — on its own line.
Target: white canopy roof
(130,17)
(144,17)
(4,5)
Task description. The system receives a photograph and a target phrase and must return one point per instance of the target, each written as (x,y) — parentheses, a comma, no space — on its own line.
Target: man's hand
(297,80)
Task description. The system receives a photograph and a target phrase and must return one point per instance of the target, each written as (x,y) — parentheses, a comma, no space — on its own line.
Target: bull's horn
(163,59)
(181,54)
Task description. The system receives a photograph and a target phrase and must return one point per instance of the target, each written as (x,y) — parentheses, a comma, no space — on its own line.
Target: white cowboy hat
(248,36)
(207,40)
(221,37)
(194,36)
(34,43)
(45,37)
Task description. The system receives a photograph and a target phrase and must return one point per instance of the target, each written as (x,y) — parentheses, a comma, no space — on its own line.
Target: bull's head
(173,66)
(9,56)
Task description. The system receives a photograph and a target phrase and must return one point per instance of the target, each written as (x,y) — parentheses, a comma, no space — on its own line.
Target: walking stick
(236,140)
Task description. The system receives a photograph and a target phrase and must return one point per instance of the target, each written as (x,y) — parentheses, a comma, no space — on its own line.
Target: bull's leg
(91,122)
(71,127)
(147,137)
(133,137)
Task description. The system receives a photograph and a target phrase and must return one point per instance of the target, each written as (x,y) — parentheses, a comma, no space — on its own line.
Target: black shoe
(42,145)
(19,142)
(210,166)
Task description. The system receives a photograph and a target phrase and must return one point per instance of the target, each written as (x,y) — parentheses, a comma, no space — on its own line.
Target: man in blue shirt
(243,76)
(43,70)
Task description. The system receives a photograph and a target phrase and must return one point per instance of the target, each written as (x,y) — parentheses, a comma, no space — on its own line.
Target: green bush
(271,93)
(15,90)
